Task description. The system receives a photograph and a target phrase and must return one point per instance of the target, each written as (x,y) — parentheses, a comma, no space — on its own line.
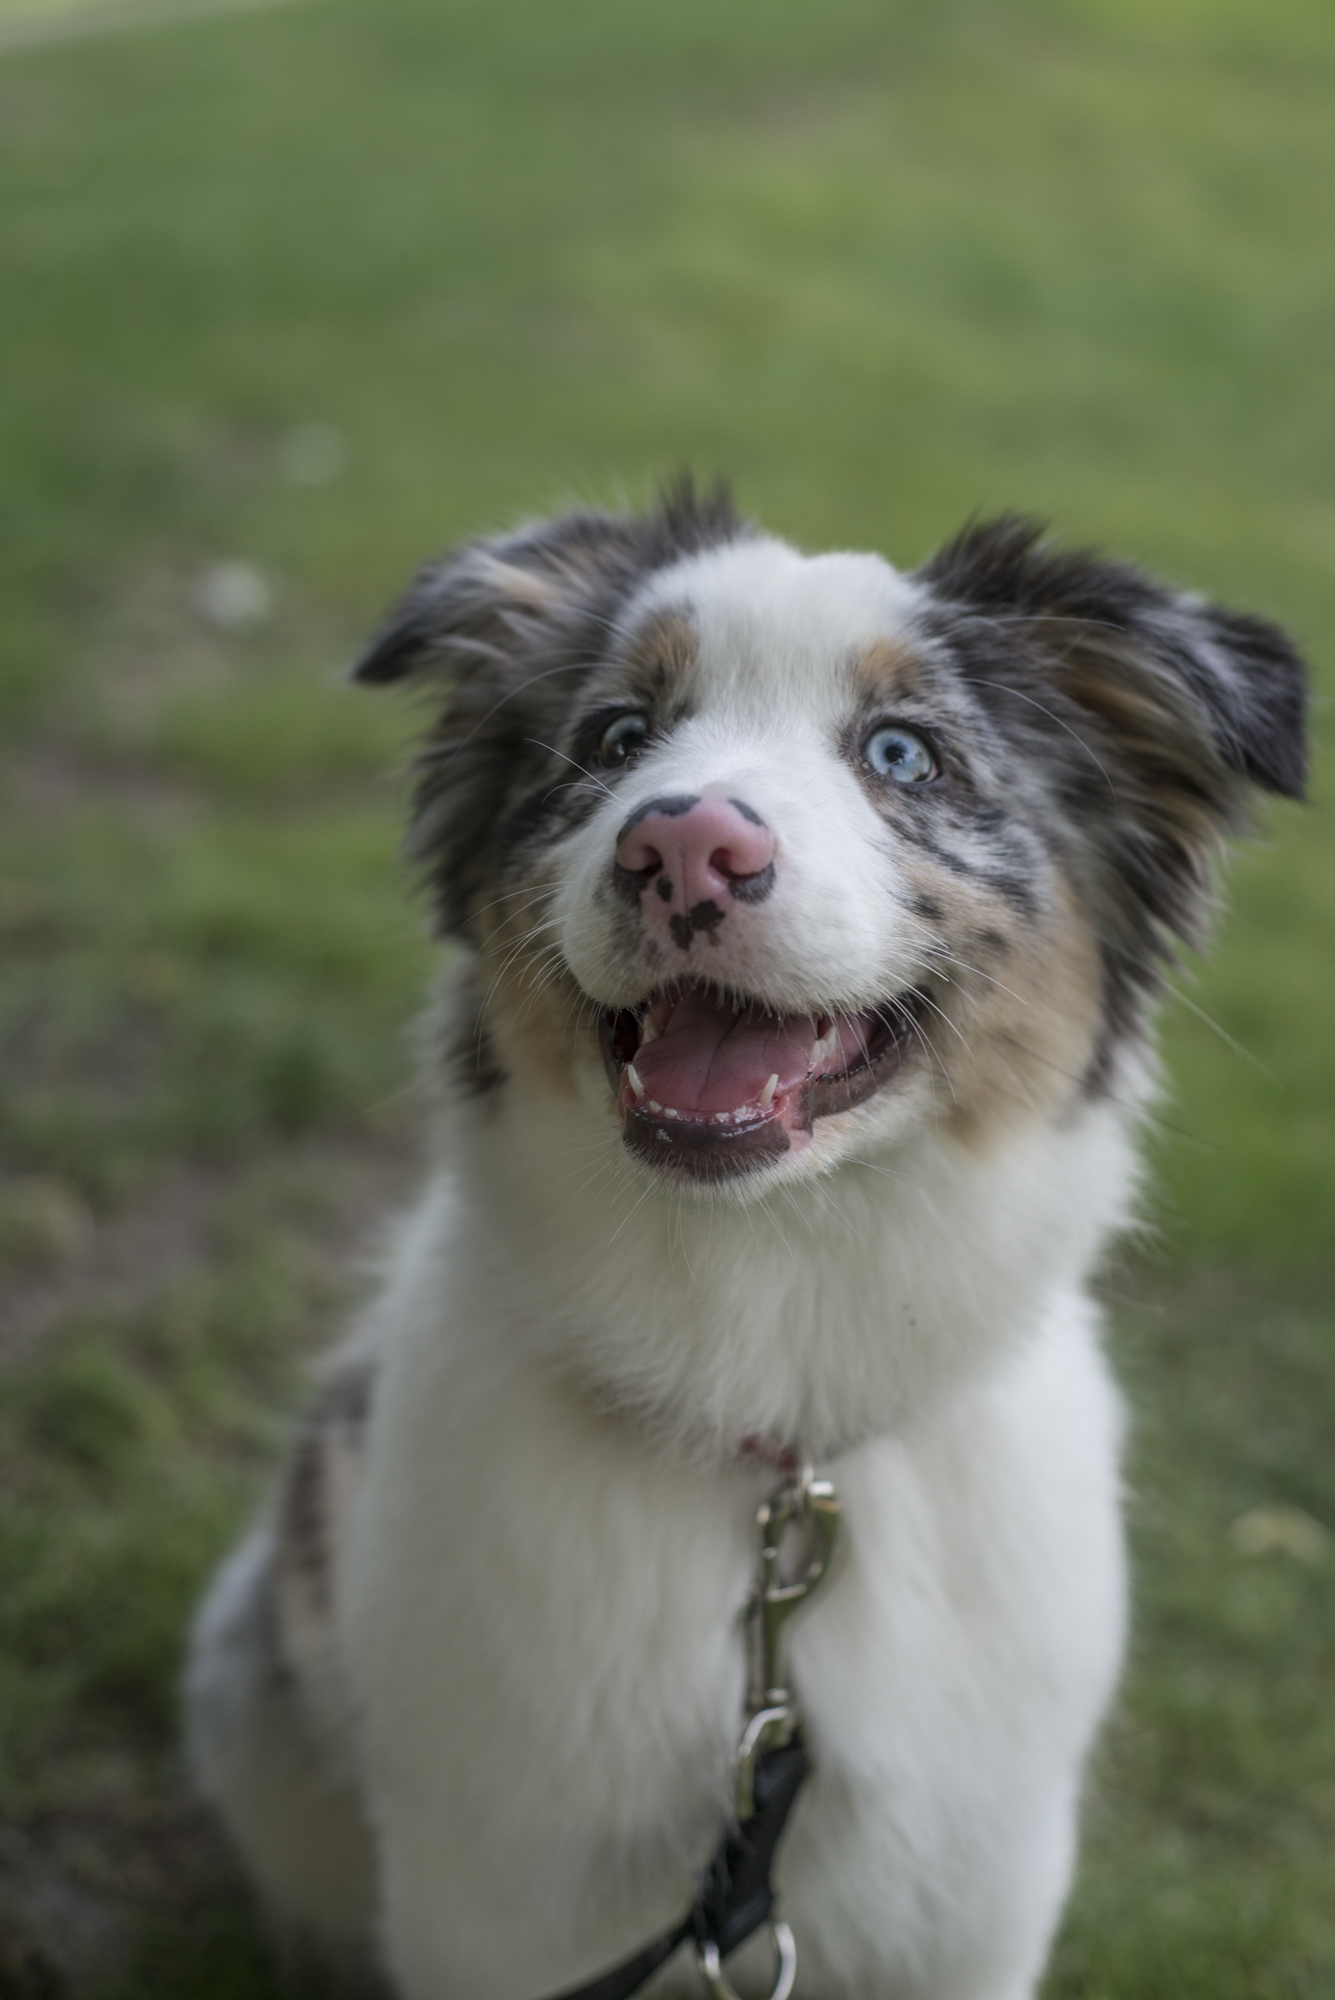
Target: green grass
(886,264)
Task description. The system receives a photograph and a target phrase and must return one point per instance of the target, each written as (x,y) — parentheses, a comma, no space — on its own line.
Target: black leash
(735,1896)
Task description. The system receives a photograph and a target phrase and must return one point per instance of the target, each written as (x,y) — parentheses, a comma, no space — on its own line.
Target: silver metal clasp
(716,1979)
(805,1515)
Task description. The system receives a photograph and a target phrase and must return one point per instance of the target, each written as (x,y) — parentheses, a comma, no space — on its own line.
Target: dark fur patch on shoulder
(511,628)
(1140,718)
(336,1420)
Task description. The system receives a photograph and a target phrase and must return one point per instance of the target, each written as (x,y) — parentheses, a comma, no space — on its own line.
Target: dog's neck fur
(836,1310)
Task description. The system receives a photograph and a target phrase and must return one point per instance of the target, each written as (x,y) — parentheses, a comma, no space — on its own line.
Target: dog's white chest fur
(812,918)
(548,1763)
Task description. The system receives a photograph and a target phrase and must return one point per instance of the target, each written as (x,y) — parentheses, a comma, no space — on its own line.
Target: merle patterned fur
(1139,717)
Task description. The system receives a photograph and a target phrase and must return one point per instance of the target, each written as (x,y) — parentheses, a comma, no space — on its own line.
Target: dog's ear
(506,630)
(457,610)
(1165,672)
(481,604)
(1146,714)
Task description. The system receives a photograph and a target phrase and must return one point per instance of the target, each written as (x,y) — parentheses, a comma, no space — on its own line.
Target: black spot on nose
(664,887)
(705,916)
(753,888)
(673,806)
(630,886)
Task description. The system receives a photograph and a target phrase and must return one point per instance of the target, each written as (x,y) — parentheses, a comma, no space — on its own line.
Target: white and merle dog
(812,914)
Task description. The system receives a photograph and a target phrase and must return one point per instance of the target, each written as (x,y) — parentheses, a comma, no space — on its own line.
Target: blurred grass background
(290,298)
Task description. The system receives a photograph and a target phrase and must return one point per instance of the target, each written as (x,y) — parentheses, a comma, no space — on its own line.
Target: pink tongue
(709,1058)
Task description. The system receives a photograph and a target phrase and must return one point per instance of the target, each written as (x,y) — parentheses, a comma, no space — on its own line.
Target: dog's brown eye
(622,739)
(900,755)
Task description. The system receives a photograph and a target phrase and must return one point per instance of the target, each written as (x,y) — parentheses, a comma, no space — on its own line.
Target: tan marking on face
(1025,1039)
(887,671)
(665,642)
(657,666)
(537,1014)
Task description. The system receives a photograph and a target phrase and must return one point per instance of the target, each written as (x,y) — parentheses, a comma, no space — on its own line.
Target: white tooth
(633,1078)
(654,1104)
(648,1030)
(824,1045)
(767,1094)
(670,1113)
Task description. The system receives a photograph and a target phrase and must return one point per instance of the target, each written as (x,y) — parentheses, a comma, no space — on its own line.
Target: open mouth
(713,1086)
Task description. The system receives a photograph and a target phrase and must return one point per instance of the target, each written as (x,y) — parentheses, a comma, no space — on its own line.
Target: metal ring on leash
(711,1966)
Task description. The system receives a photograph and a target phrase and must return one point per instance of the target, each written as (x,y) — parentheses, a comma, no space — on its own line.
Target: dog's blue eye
(900,755)
(622,738)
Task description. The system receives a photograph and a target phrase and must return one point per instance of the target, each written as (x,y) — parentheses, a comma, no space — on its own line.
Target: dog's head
(770,857)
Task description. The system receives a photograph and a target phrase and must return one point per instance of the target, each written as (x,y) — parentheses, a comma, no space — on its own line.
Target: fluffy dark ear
(1145,714)
(507,629)
(477,604)
(1237,679)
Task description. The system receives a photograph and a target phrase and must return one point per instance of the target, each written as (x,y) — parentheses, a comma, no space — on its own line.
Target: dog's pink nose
(696,850)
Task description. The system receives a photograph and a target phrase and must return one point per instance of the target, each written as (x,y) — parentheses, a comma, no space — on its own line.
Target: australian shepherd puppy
(810,917)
